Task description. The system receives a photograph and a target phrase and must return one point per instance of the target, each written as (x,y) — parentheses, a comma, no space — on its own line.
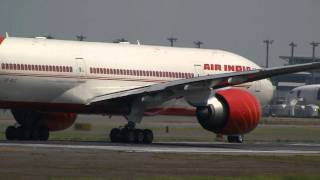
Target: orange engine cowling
(58,121)
(231,112)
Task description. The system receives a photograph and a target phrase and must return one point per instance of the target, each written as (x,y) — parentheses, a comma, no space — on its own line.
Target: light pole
(292,45)
(81,37)
(314,45)
(268,43)
(172,40)
(198,43)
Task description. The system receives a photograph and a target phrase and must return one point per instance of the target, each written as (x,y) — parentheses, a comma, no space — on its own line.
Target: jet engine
(231,112)
(58,121)
(54,121)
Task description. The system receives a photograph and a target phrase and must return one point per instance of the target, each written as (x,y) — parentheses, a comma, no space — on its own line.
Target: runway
(171,147)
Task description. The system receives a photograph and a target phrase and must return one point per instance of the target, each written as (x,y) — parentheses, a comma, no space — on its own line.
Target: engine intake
(231,111)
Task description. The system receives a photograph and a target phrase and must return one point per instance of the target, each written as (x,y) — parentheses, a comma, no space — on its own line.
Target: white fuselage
(308,94)
(70,72)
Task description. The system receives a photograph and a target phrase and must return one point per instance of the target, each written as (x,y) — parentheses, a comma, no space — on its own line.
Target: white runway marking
(166,149)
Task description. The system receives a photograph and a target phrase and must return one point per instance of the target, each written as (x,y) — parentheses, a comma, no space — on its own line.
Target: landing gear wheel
(43,134)
(235,139)
(126,135)
(24,133)
(11,133)
(129,135)
(139,136)
(35,134)
(148,136)
(115,135)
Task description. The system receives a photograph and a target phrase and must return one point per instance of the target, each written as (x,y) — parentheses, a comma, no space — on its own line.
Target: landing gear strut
(129,134)
(23,133)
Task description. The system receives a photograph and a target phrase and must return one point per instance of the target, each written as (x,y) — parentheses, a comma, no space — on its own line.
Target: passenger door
(198,70)
(80,67)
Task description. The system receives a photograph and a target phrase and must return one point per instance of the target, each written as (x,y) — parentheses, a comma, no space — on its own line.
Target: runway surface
(173,147)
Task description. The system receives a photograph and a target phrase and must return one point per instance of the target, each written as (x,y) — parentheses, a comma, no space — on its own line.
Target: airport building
(285,83)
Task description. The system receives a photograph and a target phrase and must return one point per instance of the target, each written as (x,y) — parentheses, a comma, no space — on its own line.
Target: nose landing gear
(236,139)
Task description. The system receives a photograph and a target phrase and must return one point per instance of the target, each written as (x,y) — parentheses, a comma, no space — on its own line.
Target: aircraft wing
(215,81)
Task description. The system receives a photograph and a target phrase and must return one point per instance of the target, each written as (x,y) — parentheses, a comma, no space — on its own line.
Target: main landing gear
(29,126)
(129,134)
(24,133)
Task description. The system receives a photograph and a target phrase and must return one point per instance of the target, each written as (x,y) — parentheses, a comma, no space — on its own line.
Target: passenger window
(22,66)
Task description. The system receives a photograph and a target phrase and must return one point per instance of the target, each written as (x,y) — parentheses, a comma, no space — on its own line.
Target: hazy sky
(234,25)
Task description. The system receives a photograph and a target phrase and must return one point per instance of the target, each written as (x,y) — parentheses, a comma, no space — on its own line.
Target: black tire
(24,134)
(115,135)
(43,133)
(147,136)
(11,133)
(129,135)
(139,136)
(235,139)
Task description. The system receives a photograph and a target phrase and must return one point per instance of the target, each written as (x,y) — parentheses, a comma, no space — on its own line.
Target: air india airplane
(46,83)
